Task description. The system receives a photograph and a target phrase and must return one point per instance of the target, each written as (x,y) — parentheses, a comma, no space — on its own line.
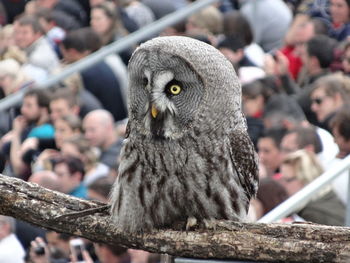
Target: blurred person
(346,58)
(340,16)
(234,23)
(111,254)
(160,8)
(318,54)
(269,30)
(11,250)
(6,38)
(340,125)
(283,111)
(47,179)
(106,22)
(232,47)
(138,11)
(329,93)
(100,189)
(79,44)
(207,22)
(79,147)
(99,130)
(63,102)
(70,171)
(269,151)
(299,169)
(71,9)
(29,36)
(33,122)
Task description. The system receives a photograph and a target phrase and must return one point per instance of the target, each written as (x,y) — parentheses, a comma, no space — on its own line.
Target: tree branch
(230,240)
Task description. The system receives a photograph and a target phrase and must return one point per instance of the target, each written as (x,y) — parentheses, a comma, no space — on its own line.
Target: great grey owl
(187,155)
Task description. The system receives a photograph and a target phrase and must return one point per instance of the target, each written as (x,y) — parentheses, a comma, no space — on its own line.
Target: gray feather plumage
(195,159)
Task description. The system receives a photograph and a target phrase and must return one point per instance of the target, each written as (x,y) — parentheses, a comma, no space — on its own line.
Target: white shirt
(11,250)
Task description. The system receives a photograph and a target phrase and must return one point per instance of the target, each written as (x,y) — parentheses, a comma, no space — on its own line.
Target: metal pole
(296,201)
(347,218)
(129,40)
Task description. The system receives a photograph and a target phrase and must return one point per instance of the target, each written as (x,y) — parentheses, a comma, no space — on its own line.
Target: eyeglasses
(318,100)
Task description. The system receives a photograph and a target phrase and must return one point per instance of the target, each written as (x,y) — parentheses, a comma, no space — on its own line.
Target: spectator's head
(108,253)
(12,76)
(254,96)
(63,102)
(7,226)
(79,43)
(35,106)
(340,124)
(100,189)
(80,147)
(319,54)
(66,127)
(283,111)
(27,30)
(232,47)
(301,138)
(235,23)
(269,150)
(70,171)
(339,11)
(47,179)
(207,21)
(46,19)
(105,21)
(329,94)
(58,244)
(99,128)
(299,169)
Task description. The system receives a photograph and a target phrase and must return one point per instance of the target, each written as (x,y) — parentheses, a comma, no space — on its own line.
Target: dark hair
(233,42)
(341,121)
(74,164)
(102,185)
(31,21)
(235,23)
(276,134)
(307,136)
(280,107)
(83,39)
(322,47)
(65,94)
(271,193)
(42,96)
(256,88)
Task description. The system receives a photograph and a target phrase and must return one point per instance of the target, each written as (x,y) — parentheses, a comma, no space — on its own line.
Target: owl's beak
(154,111)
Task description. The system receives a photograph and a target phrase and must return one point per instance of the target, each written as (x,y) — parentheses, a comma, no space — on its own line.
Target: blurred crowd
(292,58)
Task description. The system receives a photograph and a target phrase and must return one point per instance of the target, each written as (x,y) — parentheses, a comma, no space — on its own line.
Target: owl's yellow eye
(175,89)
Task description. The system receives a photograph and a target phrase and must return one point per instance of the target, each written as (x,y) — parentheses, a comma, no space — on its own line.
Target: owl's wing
(245,160)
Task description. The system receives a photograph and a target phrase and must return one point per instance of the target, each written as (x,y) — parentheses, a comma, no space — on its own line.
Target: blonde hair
(209,19)
(306,166)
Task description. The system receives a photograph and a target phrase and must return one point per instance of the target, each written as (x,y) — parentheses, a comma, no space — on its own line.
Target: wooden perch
(231,240)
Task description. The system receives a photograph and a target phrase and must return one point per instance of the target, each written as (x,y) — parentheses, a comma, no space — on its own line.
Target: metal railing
(299,199)
(128,41)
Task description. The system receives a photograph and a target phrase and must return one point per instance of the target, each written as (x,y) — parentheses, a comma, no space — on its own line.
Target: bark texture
(230,240)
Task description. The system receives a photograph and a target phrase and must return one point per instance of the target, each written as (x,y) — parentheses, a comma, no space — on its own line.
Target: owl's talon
(210,224)
(191,222)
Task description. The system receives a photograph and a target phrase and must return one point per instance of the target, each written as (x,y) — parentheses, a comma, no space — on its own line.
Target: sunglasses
(318,100)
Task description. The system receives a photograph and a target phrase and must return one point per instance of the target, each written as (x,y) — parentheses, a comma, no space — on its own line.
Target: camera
(77,247)
(39,250)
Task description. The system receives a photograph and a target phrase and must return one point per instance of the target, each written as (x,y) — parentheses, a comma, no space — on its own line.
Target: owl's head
(177,84)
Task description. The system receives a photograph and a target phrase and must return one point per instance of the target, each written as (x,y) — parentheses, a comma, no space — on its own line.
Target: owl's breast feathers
(206,177)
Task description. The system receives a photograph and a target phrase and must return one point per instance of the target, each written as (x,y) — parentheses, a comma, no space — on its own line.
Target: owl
(187,156)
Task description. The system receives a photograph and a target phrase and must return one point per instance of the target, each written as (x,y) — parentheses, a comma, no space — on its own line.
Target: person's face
(25,35)
(252,106)
(30,109)
(100,22)
(94,132)
(6,83)
(289,179)
(62,132)
(59,108)
(339,11)
(96,2)
(67,180)
(343,144)
(269,154)
(232,56)
(57,245)
(289,143)
(322,104)
(69,149)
